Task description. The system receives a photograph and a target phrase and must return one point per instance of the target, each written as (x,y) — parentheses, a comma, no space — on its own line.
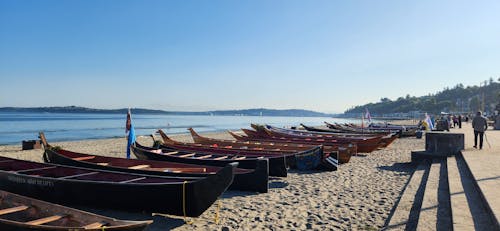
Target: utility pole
(482,102)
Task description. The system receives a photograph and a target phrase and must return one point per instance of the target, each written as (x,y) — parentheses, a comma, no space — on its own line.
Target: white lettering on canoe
(32,181)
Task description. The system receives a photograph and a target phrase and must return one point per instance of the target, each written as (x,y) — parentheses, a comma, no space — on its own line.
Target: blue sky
(202,55)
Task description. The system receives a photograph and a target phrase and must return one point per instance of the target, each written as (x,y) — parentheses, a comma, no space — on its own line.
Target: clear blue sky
(202,55)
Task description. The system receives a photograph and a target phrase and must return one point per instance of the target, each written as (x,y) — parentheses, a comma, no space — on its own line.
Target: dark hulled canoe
(255,180)
(310,157)
(373,128)
(316,129)
(275,168)
(387,138)
(349,137)
(278,161)
(332,133)
(23,213)
(342,131)
(108,189)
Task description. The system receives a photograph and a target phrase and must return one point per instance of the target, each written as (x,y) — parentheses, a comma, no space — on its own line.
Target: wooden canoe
(387,137)
(345,151)
(349,137)
(276,165)
(363,145)
(400,130)
(116,190)
(323,160)
(24,213)
(255,180)
(311,158)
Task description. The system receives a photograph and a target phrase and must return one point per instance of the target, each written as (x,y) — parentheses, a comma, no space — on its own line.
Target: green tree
(498,100)
(475,104)
(385,100)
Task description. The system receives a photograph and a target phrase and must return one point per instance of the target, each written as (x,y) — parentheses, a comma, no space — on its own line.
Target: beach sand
(359,196)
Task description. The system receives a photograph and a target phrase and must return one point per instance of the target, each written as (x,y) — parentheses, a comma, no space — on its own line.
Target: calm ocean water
(15,127)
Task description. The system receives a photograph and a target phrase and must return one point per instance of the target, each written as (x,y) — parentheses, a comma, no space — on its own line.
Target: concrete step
(435,212)
(483,165)
(405,215)
(468,210)
(461,214)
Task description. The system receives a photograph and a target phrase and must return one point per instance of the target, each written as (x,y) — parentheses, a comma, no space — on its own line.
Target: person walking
(480,125)
(459,121)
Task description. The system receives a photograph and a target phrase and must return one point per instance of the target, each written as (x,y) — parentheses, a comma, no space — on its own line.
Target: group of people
(455,121)
(479,123)
(451,121)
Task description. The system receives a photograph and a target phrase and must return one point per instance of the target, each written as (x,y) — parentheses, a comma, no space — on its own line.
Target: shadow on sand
(404,168)
(159,222)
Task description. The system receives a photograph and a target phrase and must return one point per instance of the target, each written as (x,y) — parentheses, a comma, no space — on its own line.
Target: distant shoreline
(244,112)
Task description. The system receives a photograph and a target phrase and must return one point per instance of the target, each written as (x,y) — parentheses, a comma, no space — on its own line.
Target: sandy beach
(359,196)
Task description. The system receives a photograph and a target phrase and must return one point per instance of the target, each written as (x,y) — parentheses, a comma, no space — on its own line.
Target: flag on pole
(128,124)
(129,127)
(428,121)
(368,116)
(362,121)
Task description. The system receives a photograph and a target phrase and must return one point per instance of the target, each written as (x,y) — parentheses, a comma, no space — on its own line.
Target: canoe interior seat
(95,225)
(45,220)
(83,158)
(35,169)
(188,155)
(132,180)
(140,166)
(240,158)
(186,170)
(220,158)
(78,175)
(170,153)
(13,209)
(103,164)
(203,157)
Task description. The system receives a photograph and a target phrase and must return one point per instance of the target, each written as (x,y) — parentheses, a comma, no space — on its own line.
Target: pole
(486,139)
(362,123)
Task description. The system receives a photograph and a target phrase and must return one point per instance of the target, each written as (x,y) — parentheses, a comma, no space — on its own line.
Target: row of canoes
(401,130)
(171,177)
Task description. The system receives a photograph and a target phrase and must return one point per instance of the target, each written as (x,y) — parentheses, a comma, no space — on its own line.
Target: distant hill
(458,99)
(246,112)
(271,112)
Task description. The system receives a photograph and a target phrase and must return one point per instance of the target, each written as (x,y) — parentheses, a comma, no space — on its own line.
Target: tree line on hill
(459,99)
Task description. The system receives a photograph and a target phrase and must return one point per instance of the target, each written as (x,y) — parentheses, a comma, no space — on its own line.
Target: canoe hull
(306,157)
(165,196)
(255,181)
(277,165)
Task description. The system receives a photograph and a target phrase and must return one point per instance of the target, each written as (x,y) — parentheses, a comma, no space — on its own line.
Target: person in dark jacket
(480,124)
